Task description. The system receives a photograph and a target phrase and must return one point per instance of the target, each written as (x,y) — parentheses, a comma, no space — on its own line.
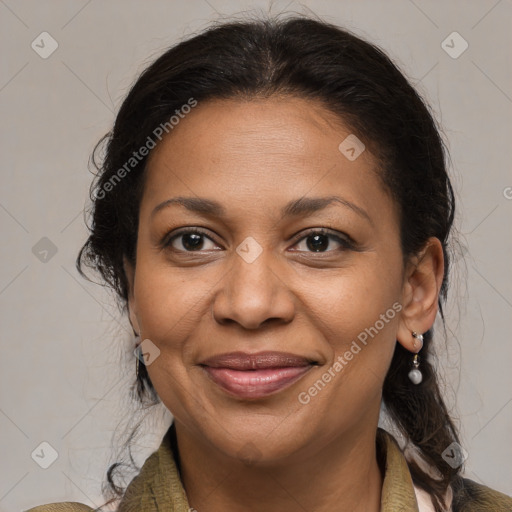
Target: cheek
(168,299)
(348,304)
(168,308)
(358,316)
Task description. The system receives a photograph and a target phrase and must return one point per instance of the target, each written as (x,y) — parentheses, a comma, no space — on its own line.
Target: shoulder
(472,496)
(67,506)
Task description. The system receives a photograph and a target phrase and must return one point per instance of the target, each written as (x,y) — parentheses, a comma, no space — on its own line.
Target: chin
(256,440)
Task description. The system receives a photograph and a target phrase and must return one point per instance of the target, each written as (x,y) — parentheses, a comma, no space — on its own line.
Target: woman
(274,210)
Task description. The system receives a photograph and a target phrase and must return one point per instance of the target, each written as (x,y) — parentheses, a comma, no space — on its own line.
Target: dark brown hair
(356,81)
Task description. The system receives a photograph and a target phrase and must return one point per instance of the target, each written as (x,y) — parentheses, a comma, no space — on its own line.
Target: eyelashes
(198,235)
(344,241)
(319,238)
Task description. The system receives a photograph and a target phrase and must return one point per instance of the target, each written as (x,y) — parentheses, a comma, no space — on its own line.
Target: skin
(253,157)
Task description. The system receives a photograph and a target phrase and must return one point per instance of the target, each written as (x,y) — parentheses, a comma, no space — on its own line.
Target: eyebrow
(301,206)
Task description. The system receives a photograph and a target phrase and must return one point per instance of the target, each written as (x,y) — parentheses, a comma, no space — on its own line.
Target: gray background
(66,363)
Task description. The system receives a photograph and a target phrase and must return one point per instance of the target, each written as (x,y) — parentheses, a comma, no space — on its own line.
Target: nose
(253,294)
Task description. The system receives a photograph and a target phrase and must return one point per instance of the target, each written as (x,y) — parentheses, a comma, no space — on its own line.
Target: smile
(253,376)
(255,383)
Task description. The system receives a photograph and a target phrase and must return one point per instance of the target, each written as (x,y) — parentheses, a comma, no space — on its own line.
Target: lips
(261,360)
(252,376)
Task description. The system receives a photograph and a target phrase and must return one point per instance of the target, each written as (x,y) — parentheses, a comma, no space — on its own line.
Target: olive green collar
(158,488)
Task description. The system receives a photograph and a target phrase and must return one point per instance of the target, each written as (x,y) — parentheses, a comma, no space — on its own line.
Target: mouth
(253,376)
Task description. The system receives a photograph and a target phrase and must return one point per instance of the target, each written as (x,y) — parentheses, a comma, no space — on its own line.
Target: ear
(129,271)
(422,284)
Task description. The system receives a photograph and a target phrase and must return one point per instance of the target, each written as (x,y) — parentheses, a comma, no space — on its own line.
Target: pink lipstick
(252,376)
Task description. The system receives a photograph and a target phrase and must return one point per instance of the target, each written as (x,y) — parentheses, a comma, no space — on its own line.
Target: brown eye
(192,240)
(321,241)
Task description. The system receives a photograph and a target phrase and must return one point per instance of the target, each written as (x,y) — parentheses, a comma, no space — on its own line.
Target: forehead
(273,149)
(291,127)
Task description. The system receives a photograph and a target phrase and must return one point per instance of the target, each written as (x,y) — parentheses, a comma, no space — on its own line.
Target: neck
(343,475)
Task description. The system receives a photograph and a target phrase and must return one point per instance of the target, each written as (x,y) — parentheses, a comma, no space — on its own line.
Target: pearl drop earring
(415,374)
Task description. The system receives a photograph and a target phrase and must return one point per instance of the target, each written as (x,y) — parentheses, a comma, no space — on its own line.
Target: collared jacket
(158,487)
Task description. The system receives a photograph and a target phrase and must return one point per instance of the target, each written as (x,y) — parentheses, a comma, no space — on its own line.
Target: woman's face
(260,179)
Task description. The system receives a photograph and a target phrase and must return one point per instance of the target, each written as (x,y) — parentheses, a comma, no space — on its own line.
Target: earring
(137,353)
(415,374)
